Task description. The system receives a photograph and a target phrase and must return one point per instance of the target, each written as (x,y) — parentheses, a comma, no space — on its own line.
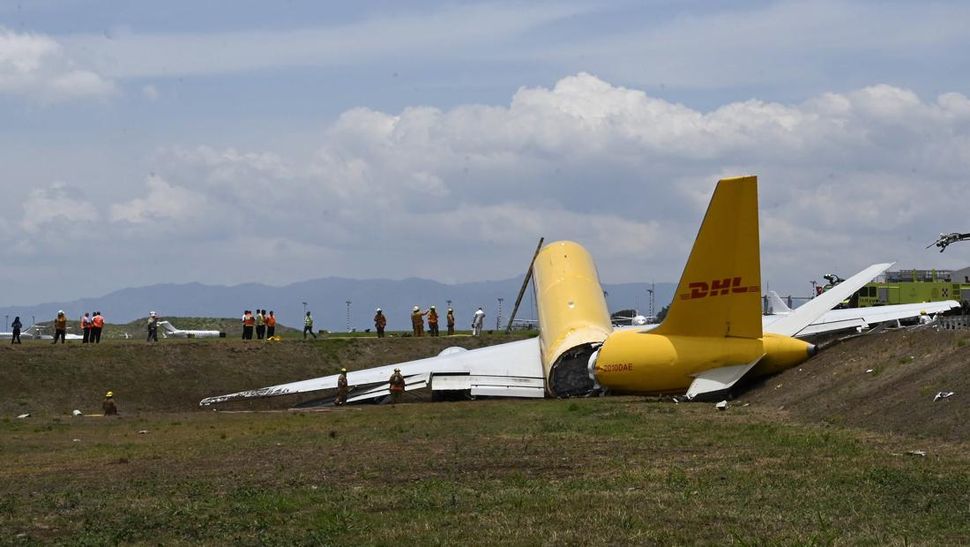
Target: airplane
(171,330)
(711,337)
(36,332)
(858,318)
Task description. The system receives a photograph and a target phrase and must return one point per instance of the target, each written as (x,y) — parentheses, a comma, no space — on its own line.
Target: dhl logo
(717,287)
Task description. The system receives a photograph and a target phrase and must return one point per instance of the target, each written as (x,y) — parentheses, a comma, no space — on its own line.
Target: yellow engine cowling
(572,313)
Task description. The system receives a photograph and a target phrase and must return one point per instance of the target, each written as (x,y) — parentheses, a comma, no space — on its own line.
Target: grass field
(594,471)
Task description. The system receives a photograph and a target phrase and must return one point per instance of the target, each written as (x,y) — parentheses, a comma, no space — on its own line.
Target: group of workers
(263,323)
(91,327)
(395,386)
(417,321)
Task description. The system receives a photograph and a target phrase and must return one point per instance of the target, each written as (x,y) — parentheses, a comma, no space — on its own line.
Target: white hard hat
(416,308)
(60,312)
(378,309)
(432,307)
(151,314)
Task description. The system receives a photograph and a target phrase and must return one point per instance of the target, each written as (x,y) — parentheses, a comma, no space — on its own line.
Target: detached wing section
(513,369)
(800,318)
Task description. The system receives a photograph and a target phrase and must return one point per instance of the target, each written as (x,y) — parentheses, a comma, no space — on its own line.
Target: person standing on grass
(260,324)
(16,326)
(396,385)
(432,321)
(477,321)
(97,325)
(108,404)
(152,328)
(308,326)
(380,322)
(270,325)
(248,322)
(60,326)
(86,328)
(451,321)
(417,321)
(342,388)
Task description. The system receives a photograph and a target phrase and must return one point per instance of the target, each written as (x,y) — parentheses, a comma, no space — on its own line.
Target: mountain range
(326,298)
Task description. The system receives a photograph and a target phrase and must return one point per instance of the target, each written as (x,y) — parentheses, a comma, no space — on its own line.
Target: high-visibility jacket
(260,320)
(85,323)
(249,320)
(270,321)
(380,320)
(61,322)
(308,321)
(97,321)
(432,317)
(397,383)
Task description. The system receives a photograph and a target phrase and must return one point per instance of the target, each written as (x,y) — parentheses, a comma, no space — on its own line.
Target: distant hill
(326,298)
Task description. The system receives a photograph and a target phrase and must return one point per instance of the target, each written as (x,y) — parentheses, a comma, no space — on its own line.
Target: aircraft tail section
(777,305)
(167,326)
(719,294)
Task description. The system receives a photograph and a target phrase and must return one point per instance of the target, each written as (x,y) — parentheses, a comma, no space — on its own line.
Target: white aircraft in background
(857,318)
(170,330)
(37,332)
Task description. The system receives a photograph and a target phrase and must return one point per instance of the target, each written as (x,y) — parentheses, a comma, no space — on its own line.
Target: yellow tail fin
(720,290)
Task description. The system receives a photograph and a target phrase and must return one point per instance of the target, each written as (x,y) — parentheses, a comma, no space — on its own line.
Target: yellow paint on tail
(719,294)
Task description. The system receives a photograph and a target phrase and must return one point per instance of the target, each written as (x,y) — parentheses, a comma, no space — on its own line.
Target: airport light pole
(498,318)
(304,309)
(449,303)
(348,315)
(5,318)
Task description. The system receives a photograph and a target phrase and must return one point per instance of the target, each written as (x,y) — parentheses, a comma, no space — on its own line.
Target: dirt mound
(174,375)
(884,382)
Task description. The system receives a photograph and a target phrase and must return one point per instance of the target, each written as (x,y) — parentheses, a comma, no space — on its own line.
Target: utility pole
(498,319)
(304,309)
(449,303)
(5,318)
(348,315)
(651,291)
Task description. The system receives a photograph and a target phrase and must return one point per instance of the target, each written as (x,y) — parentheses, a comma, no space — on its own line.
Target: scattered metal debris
(142,431)
(76,412)
(76,440)
(24,415)
(942,395)
(870,370)
(920,453)
(722,405)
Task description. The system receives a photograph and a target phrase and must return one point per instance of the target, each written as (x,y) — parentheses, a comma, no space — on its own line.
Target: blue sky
(226,142)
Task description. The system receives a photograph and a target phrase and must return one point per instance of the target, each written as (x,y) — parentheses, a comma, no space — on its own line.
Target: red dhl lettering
(717,287)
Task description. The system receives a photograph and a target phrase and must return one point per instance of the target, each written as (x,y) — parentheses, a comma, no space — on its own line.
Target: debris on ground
(920,453)
(870,371)
(721,406)
(24,415)
(76,412)
(142,431)
(942,395)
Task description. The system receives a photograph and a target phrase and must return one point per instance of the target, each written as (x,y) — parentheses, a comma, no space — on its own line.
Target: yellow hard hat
(343,370)
(109,394)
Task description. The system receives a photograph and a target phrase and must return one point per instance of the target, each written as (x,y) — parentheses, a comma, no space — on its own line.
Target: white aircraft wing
(513,369)
(803,316)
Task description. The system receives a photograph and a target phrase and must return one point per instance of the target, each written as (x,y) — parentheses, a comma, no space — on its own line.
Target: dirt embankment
(173,375)
(884,382)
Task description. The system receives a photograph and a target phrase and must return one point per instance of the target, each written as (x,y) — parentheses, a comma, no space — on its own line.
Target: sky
(231,142)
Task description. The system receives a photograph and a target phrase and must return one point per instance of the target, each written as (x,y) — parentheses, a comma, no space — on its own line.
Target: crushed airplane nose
(812,350)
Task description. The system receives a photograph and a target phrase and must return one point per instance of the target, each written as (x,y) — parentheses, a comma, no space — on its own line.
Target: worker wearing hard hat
(417,321)
(432,321)
(450,317)
(380,321)
(396,385)
(60,326)
(341,388)
(308,326)
(152,328)
(108,405)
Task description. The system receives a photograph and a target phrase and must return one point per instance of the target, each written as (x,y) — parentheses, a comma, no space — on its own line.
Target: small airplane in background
(171,330)
(38,332)
(711,337)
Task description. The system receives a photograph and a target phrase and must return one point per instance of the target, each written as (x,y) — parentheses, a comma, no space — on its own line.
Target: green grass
(591,471)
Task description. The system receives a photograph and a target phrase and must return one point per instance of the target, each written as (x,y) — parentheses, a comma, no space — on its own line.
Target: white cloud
(463,193)
(37,66)
(164,203)
(57,208)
